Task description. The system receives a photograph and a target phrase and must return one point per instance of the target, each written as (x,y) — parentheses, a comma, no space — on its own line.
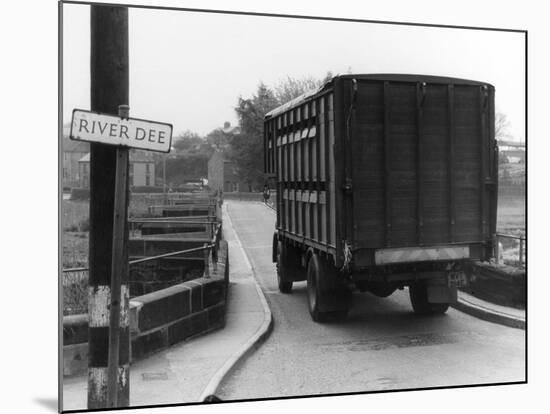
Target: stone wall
(159,319)
(499,284)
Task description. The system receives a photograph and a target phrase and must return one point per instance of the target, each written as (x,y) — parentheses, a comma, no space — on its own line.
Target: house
(230,130)
(223,175)
(141,169)
(73,151)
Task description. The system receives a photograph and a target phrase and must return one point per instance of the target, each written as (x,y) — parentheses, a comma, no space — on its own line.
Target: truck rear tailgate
(423,162)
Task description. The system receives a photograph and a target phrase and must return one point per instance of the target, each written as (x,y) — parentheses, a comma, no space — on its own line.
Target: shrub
(75,293)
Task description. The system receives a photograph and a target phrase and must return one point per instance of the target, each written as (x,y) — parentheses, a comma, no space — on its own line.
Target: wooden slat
(293,218)
(299,158)
(317,139)
(450,161)
(287,210)
(266,150)
(291,161)
(323,164)
(387,165)
(420,91)
(331,175)
(307,159)
(483,102)
(279,163)
(273,146)
(307,216)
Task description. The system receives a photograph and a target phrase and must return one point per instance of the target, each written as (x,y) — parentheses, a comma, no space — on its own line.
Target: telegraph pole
(109,89)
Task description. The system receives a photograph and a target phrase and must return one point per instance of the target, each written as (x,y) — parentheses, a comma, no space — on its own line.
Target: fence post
(206,267)
(214,258)
(215,247)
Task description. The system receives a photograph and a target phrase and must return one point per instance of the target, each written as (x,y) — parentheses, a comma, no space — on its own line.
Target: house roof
(232,130)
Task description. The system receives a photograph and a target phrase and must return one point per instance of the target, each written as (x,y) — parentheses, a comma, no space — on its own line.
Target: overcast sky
(189,68)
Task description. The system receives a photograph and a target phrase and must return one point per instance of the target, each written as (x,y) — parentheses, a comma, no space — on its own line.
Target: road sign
(130,132)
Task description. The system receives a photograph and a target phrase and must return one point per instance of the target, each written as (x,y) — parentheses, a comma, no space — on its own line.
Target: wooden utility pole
(109,89)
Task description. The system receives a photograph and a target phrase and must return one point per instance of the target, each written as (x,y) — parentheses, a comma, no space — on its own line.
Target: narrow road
(382,345)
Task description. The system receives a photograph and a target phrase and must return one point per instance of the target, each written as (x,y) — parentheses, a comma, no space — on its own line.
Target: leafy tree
(187,161)
(188,141)
(218,140)
(247,147)
(186,167)
(291,88)
(502,126)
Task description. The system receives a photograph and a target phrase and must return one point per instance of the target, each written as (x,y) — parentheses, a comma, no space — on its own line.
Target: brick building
(73,151)
(141,169)
(222,175)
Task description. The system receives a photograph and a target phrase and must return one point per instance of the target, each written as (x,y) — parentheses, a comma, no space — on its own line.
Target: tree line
(188,160)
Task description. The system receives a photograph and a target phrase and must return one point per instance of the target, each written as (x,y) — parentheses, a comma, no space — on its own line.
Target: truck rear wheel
(327,299)
(418,292)
(284,269)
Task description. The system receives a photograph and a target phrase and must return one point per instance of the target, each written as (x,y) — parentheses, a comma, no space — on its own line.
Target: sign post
(124,132)
(110,137)
(119,266)
(109,88)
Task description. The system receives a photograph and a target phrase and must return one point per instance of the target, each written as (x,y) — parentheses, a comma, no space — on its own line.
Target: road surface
(382,345)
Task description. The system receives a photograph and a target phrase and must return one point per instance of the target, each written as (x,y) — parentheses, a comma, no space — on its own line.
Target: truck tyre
(418,293)
(314,294)
(326,298)
(284,271)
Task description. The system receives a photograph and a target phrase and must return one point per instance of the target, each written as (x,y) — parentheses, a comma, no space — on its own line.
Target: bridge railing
(75,280)
(187,224)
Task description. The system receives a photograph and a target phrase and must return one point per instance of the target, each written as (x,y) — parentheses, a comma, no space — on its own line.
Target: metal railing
(208,222)
(212,247)
(75,280)
(499,248)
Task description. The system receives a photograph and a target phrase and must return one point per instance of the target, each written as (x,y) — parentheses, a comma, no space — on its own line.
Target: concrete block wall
(159,319)
(499,284)
(75,344)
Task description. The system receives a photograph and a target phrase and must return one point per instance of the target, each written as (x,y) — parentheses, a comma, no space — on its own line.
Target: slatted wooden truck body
(387,179)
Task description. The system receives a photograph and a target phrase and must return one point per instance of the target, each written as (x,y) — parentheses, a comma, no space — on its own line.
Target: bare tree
(502,126)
